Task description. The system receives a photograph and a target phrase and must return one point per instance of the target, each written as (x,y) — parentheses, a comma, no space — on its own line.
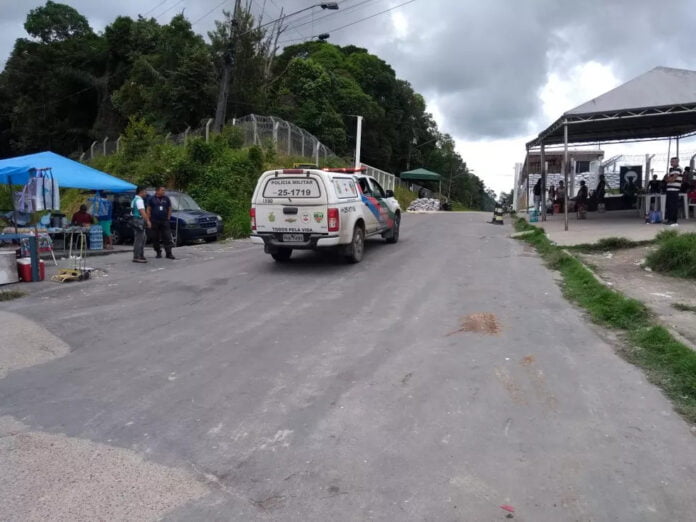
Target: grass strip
(667,362)
(675,256)
(608,244)
(9,295)
(684,307)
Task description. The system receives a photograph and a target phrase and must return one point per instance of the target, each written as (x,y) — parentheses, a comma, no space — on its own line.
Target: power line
(358,21)
(170,8)
(315,20)
(158,5)
(51,102)
(280,13)
(209,12)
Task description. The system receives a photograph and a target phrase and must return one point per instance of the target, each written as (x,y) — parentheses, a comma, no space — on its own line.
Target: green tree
(56,22)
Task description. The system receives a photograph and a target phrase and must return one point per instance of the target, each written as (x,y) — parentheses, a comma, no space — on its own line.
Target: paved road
(322,391)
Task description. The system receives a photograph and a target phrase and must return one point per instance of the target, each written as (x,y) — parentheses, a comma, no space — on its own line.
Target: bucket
(96,238)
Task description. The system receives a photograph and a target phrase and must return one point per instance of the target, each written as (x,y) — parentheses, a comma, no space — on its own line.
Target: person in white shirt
(674,182)
(140,222)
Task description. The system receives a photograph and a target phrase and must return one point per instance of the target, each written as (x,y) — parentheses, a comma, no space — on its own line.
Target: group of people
(151,212)
(148,212)
(674,182)
(556,195)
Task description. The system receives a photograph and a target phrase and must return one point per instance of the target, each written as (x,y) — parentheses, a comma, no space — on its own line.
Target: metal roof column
(542,158)
(565,171)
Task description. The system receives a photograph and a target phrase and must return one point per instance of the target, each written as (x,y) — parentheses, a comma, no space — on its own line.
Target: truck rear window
(289,187)
(345,188)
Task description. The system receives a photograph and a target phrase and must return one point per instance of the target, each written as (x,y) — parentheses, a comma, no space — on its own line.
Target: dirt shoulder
(622,269)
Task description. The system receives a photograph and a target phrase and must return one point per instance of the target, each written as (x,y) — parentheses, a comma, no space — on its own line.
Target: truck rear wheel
(282,254)
(356,248)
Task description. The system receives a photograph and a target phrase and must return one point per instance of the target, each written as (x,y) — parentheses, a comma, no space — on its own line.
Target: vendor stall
(40,177)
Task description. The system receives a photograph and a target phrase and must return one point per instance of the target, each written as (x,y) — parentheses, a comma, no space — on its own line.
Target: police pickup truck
(309,209)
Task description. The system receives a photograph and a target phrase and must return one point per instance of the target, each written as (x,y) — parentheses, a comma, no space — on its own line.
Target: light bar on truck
(345,170)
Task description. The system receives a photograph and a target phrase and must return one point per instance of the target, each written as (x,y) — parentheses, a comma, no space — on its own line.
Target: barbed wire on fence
(285,137)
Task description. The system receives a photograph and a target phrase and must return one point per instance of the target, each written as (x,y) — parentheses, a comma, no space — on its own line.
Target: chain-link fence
(286,138)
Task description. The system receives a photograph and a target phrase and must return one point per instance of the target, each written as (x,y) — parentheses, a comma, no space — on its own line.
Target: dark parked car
(189,222)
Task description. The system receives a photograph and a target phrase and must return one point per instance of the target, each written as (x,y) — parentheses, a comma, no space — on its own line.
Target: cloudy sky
(494,73)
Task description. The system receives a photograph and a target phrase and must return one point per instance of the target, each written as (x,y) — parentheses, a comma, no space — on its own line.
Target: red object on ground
(508,508)
(24,269)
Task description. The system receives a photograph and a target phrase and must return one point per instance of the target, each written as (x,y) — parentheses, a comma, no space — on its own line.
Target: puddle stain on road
(531,386)
(485,323)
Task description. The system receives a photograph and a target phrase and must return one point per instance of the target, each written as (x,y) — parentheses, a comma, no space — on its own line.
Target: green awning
(421,175)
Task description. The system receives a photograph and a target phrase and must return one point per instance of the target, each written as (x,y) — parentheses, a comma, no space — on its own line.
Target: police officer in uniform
(159,210)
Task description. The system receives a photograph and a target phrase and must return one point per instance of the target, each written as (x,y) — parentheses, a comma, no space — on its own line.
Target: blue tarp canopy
(68,173)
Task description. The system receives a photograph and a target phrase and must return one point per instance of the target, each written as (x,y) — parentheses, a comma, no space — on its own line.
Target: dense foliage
(65,86)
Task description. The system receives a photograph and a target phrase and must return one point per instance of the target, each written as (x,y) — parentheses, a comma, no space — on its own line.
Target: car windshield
(183,202)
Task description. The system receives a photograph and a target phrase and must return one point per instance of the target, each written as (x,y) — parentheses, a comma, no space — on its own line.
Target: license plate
(292,237)
(211,231)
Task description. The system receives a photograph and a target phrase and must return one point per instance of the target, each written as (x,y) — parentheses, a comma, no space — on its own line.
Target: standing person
(601,191)
(159,210)
(537,195)
(581,200)
(674,182)
(560,196)
(101,208)
(654,187)
(139,223)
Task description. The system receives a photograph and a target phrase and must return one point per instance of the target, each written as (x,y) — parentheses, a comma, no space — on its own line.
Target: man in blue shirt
(159,210)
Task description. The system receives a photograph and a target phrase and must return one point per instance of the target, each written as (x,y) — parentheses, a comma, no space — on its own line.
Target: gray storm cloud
(484,62)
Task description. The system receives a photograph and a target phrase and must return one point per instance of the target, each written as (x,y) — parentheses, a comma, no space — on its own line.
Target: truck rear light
(252,215)
(334,220)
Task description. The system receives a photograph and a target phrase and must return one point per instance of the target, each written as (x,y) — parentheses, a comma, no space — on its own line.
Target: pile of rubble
(424,205)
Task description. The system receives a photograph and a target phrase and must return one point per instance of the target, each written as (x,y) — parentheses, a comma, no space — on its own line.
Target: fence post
(118,144)
(316,153)
(302,133)
(207,129)
(91,149)
(82,157)
(255,128)
(186,133)
(104,145)
(275,132)
(289,138)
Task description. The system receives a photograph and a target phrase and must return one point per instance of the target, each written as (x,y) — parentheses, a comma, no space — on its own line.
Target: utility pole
(358,142)
(228,62)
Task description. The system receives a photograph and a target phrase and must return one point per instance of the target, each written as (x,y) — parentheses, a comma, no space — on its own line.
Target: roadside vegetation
(667,362)
(608,244)
(9,295)
(675,255)
(404,197)
(684,307)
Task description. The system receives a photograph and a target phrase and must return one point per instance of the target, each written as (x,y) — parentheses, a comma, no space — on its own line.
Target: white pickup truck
(309,209)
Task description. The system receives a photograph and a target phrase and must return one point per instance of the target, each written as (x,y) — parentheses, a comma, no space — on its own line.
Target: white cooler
(8,267)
